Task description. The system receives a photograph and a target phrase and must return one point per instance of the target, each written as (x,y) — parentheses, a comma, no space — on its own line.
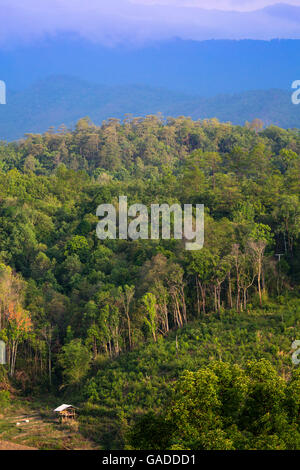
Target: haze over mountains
(63,100)
(139,21)
(62,60)
(198,67)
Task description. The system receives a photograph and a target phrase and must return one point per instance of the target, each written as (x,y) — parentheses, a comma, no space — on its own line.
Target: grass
(43,431)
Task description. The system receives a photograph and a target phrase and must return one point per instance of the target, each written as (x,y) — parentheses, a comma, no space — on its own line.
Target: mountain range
(63,100)
(205,68)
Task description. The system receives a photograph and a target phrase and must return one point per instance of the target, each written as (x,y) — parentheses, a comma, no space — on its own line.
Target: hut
(2,353)
(65,413)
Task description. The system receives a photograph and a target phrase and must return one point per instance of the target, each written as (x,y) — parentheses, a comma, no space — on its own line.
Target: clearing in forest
(35,429)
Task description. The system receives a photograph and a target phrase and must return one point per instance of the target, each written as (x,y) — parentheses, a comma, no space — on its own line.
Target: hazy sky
(138,21)
(237,5)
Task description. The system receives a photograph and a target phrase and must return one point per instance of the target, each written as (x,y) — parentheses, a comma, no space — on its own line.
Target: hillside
(139,382)
(119,391)
(95,321)
(10,446)
(63,100)
(206,68)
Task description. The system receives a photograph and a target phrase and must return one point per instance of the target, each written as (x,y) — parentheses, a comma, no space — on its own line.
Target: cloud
(138,21)
(225,5)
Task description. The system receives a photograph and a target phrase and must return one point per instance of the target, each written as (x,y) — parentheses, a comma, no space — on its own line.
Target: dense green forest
(135,332)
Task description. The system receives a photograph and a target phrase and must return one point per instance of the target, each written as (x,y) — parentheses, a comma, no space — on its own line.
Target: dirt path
(11,446)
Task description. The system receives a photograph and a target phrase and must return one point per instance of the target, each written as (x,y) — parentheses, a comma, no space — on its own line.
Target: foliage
(4,399)
(225,407)
(128,317)
(75,362)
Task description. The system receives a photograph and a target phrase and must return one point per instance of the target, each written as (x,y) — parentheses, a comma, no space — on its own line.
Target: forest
(172,349)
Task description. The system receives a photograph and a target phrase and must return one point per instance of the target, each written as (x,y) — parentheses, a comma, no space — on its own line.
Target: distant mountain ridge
(63,100)
(135,23)
(205,68)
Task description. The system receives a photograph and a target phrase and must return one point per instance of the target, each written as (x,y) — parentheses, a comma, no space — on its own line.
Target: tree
(18,327)
(126,297)
(14,319)
(11,291)
(287,214)
(47,334)
(201,266)
(74,359)
(259,238)
(225,407)
(257,125)
(149,301)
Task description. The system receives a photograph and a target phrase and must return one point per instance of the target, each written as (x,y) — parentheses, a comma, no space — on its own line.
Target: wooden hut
(66,413)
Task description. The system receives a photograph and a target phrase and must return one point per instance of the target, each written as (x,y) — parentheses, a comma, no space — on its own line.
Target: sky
(136,22)
(236,5)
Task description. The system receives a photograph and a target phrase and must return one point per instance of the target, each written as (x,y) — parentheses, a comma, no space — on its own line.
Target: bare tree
(257,249)
(47,334)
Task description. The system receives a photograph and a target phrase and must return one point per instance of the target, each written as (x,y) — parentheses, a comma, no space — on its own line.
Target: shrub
(4,399)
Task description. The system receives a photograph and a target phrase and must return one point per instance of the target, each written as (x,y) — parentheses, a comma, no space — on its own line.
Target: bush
(4,399)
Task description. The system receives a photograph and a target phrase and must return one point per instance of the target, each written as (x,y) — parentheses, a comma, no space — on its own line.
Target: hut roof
(63,407)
